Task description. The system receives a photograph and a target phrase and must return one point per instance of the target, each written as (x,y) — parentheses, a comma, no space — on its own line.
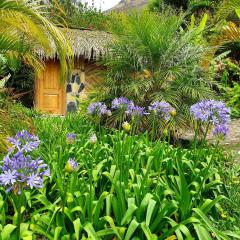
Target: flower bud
(70,138)
(71,166)
(109,113)
(165,132)
(93,139)
(126,126)
(173,113)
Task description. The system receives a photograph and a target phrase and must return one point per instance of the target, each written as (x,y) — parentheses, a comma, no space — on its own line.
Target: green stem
(197,126)
(153,127)
(90,183)
(206,132)
(64,197)
(18,206)
(121,121)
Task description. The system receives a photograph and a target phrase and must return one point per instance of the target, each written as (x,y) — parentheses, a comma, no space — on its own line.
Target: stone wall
(75,86)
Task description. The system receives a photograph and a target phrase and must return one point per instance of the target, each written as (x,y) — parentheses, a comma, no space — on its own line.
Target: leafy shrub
(227,72)
(232,96)
(80,15)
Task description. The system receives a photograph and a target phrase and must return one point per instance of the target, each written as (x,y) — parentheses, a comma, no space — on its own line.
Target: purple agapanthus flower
(35,181)
(24,141)
(213,112)
(97,108)
(71,137)
(8,177)
(18,170)
(121,103)
(134,110)
(73,163)
(162,109)
(220,130)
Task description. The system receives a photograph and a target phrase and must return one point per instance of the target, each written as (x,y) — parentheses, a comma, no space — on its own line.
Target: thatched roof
(85,43)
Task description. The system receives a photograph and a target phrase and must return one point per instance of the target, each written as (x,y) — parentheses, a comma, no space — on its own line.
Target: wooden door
(50,94)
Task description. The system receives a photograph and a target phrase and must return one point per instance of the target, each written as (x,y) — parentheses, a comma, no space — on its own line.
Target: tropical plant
(227,33)
(153,59)
(20,39)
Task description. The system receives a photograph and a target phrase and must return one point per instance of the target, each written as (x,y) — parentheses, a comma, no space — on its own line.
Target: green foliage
(79,15)
(13,117)
(32,30)
(187,5)
(232,95)
(126,187)
(227,72)
(230,173)
(152,59)
(199,29)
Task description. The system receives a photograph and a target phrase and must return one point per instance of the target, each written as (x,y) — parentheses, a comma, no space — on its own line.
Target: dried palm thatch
(86,43)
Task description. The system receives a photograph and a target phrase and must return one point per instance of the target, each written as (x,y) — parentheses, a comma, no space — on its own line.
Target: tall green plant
(153,59)
(126,187)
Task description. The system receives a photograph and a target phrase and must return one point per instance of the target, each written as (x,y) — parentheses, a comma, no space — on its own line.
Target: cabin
(52,96)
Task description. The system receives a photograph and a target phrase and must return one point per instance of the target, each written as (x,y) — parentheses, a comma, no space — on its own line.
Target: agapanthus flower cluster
(24,142)
(71,137)
(213,112)
(221,129)
(18,170)
(121,103)
(97,108)
(162,109)
(134,110)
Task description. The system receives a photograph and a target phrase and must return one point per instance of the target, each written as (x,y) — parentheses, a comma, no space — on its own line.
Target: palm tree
(228,34)
(25,27)
(155,59)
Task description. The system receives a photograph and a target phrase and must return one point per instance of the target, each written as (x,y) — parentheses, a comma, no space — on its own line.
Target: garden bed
(113,185)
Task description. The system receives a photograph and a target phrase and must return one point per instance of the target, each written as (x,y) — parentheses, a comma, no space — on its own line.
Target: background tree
(80,15)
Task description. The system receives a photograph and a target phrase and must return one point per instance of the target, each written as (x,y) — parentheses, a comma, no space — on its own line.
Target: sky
(103,4)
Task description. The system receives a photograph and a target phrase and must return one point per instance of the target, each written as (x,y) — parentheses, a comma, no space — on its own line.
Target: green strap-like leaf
(150,210)
(219,235)
(57,232)
(128,215)
(131,229)
(147,232)
(77,227)
(90,231)
(202,232)
(7,231)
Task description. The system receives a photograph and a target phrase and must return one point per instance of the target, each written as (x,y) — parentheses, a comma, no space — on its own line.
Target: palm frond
(35,28)
(156,44)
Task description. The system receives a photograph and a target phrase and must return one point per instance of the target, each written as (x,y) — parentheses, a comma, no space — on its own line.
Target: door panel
(51,94)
